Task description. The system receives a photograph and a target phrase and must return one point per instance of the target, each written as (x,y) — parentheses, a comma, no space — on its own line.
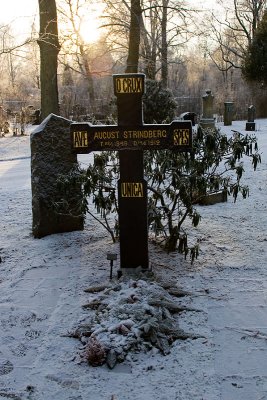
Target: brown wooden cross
(131,137)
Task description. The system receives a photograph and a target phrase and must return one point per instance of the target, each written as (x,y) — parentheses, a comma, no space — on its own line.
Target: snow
(43,283)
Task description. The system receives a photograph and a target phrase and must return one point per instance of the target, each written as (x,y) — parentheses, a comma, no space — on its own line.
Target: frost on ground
(48,294)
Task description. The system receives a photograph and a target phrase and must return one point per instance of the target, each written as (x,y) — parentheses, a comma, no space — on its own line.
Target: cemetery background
(42,292)
(190,70)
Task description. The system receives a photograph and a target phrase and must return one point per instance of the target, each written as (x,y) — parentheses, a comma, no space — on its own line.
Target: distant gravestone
(51,156)
(250,125)
(207,119)
(228,113)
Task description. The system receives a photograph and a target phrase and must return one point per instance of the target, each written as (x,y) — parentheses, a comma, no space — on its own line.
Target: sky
(20,15)
(16,9)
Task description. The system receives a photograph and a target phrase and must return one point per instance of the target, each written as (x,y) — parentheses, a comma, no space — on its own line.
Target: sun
(83,19)
(90,26)
(90,30)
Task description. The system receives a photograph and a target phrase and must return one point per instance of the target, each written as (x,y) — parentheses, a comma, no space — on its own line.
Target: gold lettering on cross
(80,139)
(181,137)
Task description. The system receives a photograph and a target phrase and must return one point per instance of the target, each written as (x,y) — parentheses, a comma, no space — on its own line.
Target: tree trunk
(49,49)
(134,39)
(89,77)
(164,45)
(149,47)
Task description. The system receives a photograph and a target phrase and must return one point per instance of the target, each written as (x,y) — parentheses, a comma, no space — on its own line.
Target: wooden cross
(130,137)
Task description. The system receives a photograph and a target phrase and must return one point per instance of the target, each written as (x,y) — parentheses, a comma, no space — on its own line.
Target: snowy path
(240,333)
(13,171)
(42,282)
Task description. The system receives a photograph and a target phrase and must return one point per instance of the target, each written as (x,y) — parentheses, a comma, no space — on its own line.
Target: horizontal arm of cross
(176,136)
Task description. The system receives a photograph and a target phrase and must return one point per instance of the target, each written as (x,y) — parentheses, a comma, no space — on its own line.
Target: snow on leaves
(128,316)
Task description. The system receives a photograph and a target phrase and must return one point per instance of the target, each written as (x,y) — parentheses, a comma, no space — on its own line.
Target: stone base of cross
(131,137)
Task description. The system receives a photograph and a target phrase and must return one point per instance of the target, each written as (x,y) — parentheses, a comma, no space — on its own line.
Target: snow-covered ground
(42,284)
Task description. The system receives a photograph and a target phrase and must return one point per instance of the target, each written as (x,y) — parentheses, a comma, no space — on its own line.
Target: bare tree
(166,30)
(235,31)
(134,37)
(49,49)
(10,44)
(164,44)
(72,14)
(163,27)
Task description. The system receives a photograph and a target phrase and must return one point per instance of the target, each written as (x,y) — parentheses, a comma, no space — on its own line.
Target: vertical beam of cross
(133,208)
